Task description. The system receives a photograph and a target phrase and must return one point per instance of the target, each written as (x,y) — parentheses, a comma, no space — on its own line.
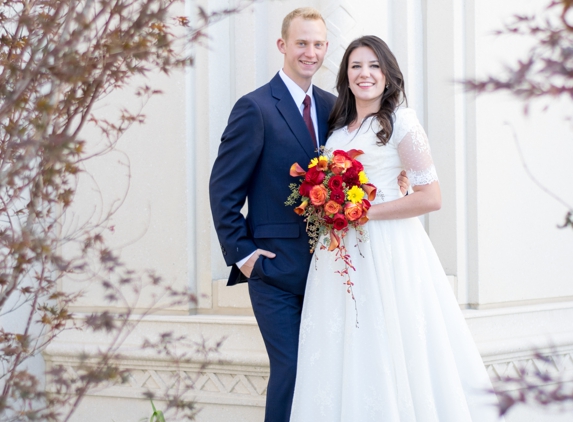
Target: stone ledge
(237,377)
(242,345)
(514,332)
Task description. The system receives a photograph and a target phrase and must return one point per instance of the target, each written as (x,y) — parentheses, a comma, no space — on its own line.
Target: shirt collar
(296,91)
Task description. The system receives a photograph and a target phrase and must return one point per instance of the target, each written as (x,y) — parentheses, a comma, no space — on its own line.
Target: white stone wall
(496,233)
(522,257)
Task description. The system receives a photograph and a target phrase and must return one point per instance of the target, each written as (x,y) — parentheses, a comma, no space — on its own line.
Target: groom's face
(304,49)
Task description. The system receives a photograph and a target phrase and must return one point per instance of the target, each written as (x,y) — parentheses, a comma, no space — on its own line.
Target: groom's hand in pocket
(248,266)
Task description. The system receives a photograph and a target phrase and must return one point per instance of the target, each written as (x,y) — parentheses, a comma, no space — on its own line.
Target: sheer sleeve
(414,152)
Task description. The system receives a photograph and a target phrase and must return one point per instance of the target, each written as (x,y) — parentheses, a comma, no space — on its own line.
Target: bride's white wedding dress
(412,359)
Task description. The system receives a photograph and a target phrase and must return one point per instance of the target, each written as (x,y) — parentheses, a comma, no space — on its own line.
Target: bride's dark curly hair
(344,111)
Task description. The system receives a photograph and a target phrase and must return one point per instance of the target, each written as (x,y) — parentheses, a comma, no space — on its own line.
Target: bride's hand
(403,182)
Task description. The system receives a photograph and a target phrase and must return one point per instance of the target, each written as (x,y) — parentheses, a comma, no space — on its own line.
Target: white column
(446,23)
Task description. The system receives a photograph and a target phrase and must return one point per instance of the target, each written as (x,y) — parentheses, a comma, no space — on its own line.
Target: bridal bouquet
(335,195)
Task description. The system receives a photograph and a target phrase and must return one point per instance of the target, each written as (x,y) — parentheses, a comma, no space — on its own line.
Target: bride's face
(365,78)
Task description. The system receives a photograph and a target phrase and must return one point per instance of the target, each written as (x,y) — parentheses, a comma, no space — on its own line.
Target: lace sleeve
(414,152)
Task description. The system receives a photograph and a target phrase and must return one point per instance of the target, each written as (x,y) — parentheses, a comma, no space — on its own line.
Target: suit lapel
(322,113)
(287,108)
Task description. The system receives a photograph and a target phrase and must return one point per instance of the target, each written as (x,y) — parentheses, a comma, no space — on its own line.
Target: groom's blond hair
(307,13)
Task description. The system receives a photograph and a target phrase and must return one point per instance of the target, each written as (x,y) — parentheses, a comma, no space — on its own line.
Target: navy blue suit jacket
(264,136)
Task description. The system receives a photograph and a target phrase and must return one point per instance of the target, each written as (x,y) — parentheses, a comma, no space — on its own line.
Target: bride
(412,359)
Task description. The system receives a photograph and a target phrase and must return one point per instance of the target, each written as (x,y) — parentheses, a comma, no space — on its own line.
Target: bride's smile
(367,82)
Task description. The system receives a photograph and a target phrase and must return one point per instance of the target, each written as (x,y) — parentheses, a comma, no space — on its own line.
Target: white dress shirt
(298,95)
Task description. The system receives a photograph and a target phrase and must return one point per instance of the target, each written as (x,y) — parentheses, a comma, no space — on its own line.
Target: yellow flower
(321,161)
(355,194)
(363,177)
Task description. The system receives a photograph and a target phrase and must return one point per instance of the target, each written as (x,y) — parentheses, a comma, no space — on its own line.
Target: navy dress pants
(278,315)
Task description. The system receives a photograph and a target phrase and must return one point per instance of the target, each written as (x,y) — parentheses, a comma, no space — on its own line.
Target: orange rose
(353,211)
(318,195)
(331,207)
(339,164)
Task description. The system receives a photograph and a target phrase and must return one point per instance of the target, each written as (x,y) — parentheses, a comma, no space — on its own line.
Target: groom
(269,129)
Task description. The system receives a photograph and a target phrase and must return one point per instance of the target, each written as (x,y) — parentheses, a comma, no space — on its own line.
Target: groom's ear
(281,45)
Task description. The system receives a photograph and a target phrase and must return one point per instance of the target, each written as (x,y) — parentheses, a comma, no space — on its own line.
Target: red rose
(351,177)
(366,204)
(341,152)
(357,165)
(335,183)
(338,196)
(305,188)
(328,220)
(314,176)
(340,222)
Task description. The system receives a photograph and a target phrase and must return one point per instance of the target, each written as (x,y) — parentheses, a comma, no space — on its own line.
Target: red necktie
(307,119)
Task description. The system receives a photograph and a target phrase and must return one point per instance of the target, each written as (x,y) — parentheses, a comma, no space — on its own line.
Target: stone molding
(217,384)
(246,386)
(556,365)
(239,375)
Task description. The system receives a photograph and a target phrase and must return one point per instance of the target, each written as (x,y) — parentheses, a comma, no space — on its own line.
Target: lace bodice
(408,149)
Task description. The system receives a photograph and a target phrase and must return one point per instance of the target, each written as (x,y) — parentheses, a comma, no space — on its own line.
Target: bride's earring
(388,85)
